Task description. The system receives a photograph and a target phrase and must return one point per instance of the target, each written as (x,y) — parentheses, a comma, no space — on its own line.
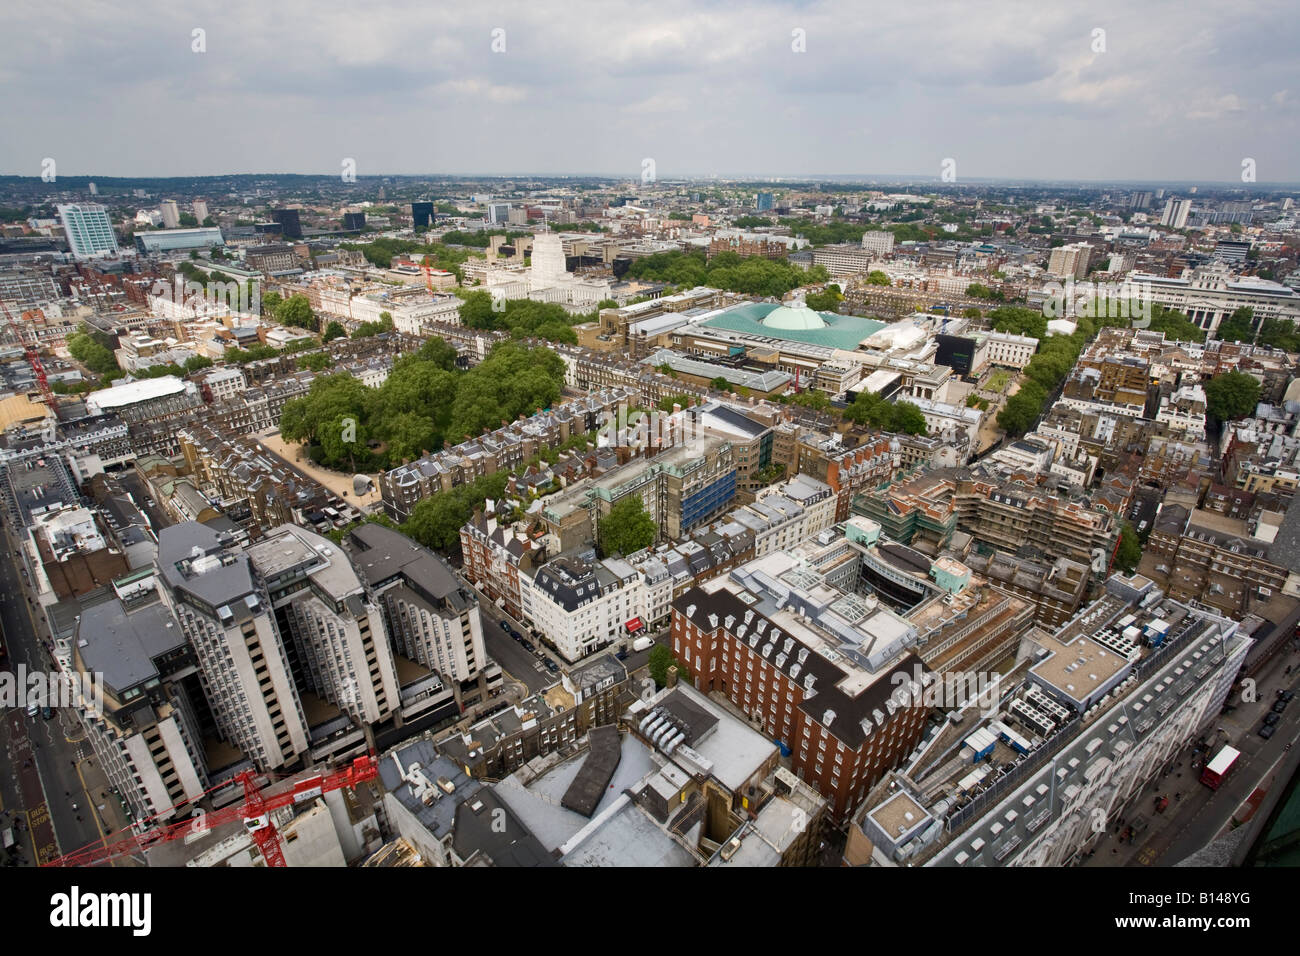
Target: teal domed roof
(794,317)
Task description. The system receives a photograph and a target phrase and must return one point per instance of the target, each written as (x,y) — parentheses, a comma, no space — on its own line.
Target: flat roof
(1080,667)
(132,392)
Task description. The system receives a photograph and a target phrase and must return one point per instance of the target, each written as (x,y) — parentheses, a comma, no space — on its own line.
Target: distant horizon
(787,180)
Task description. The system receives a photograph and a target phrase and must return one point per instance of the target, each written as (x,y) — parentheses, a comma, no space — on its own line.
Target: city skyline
(789,90)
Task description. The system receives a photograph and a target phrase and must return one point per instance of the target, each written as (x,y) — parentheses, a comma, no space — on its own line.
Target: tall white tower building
(321,608)
(548,261)
(171,213)
(89,231)
(244,668)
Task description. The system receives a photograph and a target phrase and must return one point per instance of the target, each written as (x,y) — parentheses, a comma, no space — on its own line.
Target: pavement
(337,482)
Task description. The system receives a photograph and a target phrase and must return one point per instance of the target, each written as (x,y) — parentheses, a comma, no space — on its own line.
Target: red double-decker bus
(1219,767)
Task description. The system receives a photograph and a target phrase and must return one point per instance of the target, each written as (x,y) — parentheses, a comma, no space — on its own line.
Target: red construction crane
(33,359)
(255,811)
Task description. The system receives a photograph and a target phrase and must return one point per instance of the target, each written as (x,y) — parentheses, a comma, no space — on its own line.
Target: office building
(821,680)
(272,258)
(201,210)
(580,606)
(89,231)
(1110,703)
(290,223)
(1071,261)
(354,221)
(147,735)
(158,242)
(879,242)
(1210,294)
(763,202)
(422,215)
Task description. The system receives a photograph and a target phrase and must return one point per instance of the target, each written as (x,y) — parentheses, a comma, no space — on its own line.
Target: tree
(876,277)
(1232,395)
(627,528)
(296,311)
(1019,321)
(661,658)
(1279,334)
(720,384)
(908,419)
(1129,552)
(666,403)
(1023,408)
(196,363)
(828,300)
(369,329)
(316,361)
(439,352)
(92,354)
(869,408)
(1176,325)
(1238,327)
(334,330)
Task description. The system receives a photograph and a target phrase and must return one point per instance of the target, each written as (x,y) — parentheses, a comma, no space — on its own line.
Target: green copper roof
(838,332)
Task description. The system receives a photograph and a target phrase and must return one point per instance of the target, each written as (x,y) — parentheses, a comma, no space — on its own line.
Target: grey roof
(479,830)
(382,555)
(223,582)
(438,816)
(1285,549)
(589,786)
(597,669)
(123,646)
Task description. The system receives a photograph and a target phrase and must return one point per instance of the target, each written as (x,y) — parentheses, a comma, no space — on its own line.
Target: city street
(520,666)
(1196,814)
(527,668)
(63,794)
(156,513)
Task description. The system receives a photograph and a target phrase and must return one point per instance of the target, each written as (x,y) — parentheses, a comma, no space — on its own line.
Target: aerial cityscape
(717,451)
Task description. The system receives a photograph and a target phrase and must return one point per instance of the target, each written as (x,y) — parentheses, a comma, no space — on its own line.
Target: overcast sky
(1181,91)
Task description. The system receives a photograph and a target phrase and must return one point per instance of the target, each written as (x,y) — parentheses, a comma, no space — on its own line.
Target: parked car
(550,666)
(1286,695)
(528,646)
(1271,718)
(1267,731)
(505,626)
(1279,706)
(46,712)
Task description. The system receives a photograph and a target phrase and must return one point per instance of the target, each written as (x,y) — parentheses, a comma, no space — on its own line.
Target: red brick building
(845,726)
